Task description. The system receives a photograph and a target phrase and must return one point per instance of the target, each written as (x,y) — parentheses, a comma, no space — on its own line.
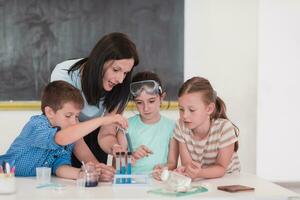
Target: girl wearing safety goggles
(150,132)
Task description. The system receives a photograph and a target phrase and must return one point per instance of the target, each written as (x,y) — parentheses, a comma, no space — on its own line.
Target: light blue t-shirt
(155,136)
(60,72)
(36,147)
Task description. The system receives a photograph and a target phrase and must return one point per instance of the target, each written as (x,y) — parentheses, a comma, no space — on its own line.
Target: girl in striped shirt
(207,138)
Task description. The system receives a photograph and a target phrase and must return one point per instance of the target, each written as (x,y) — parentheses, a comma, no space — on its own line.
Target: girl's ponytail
(220,110)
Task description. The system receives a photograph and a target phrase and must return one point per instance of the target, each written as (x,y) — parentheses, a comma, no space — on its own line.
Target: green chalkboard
(35,35)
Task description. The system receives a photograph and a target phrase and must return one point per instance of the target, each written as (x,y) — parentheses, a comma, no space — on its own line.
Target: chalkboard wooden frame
(36,105)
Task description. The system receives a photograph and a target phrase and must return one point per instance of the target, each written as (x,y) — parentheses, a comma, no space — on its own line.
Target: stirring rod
(85,169)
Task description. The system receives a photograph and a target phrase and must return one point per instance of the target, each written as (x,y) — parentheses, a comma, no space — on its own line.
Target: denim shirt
(36,147)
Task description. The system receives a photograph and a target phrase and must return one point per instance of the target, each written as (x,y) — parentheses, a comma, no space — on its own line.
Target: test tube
(129,166)
(130,148)
(123,166)
(118,167)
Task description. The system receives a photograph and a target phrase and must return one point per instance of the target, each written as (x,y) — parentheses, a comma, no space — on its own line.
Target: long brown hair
(200,84)
(113,46)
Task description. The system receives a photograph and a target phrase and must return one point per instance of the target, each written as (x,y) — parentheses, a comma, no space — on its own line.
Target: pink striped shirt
(222,133)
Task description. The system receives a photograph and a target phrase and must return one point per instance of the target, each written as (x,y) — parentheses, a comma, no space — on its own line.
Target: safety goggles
(149,86)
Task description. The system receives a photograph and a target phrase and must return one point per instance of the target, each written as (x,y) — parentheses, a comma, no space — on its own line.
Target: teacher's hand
(117,148)
(106,172)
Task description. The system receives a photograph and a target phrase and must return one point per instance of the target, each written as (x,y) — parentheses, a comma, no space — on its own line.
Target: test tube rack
(135,179)
(123,171)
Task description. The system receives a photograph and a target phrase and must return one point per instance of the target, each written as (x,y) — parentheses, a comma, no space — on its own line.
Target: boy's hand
(116,119)
(106,172)
(141,152)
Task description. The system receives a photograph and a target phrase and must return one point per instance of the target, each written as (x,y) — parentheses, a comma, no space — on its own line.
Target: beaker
(88,176)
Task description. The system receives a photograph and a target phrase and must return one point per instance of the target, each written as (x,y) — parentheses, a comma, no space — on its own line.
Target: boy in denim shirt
(47,139)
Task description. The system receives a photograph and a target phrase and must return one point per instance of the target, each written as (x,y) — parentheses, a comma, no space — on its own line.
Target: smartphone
(235,188)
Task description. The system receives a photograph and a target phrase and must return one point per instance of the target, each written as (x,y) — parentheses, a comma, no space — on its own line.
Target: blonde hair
(202,85)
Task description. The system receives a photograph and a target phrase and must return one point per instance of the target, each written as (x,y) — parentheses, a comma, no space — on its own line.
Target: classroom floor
(295,187)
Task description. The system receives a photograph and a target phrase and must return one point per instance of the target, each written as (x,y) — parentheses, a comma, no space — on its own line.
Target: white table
(26,189)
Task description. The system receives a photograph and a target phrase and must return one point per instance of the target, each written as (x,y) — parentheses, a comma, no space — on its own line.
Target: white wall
(221,45)
(12,123)
(278,92)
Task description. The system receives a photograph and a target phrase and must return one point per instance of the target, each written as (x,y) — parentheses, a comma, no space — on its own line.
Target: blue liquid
(118,179)
(128,172)
(91,184)
(123,172)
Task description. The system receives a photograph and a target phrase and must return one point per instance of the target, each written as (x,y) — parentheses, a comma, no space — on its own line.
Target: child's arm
(173,154)
(83,153)
(184,154)
(194,169)
(106,172)
(107,137)
(181,143)
(73,133)
(172,159)
(67,171)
